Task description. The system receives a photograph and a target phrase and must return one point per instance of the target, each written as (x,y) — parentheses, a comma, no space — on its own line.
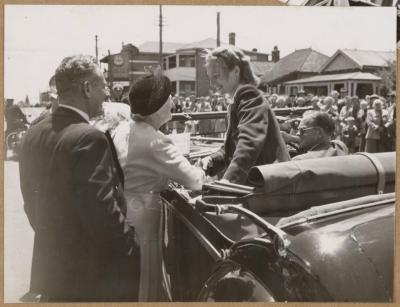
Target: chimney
(275,54)
(254,50)
(232,38)
(218,31)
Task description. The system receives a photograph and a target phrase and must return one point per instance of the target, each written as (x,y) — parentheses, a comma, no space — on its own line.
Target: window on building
(164,64)
(172,61)
(293,90)
(186,61)
(186,87)
(173,87)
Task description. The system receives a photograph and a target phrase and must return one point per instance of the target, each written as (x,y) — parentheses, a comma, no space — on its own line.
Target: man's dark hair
(324,121)
(72,70)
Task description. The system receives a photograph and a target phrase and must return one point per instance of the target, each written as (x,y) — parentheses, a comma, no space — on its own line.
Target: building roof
(356,76)
(260,68)
(364,58)
(302,60)
(154,47)
(150,47)
(211,43)
(208,43)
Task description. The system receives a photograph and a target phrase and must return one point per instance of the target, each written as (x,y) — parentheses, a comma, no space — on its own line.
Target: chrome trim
(335,212)
(278,236)
(216,255)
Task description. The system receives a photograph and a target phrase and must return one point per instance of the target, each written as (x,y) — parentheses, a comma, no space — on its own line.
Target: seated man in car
(314,137)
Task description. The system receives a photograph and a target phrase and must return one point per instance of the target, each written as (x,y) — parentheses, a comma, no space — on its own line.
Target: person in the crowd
(391,123)
(391,99)
(315,137)
(368,100)
(220,123)
(362,123)
(355,103)
(186,105)
(152,161)
(308,99)
(281,102)
(335,95)
(376,136)
(253,136)
(205,125)
(84,249)
(328,107)
(371,100)
(117,93)
(300,102)
(15,118)
(347,109)
(273,100)
(349,133)
(301,94)
(291,103)
(315,103)
(343,93)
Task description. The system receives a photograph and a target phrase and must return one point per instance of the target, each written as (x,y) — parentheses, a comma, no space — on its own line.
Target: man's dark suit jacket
(253,137)
(83,248)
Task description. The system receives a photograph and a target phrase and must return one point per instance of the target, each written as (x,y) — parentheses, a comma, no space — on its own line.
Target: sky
(38,37)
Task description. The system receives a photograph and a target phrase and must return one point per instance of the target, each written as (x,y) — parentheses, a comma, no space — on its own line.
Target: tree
(27,102)
(388,76)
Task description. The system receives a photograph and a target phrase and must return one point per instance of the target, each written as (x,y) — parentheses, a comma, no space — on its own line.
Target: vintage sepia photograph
(213,153)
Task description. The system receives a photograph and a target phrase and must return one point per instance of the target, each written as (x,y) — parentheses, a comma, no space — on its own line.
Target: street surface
(18,234)
(18,237)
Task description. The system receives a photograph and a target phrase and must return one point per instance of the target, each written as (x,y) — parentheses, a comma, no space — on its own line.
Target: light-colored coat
(151,161)
(374,123)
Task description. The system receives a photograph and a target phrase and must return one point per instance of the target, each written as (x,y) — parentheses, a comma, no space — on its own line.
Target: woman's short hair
(149,94)
(231,57)
(377,102)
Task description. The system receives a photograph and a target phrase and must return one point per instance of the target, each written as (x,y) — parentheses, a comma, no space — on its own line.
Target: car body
(316,230)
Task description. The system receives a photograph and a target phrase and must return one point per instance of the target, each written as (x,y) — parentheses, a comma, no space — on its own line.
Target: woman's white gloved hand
(205,163)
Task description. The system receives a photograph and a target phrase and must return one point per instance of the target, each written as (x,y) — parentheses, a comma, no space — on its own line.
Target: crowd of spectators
(193,104)
(362,124)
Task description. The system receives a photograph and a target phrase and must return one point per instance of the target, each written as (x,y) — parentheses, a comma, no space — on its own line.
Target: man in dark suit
(84,250)
(315,137)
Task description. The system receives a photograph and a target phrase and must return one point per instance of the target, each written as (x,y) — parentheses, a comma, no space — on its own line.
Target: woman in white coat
(151,161)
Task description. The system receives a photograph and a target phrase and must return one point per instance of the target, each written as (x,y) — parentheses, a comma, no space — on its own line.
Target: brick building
(184,64)
(132,62)
(186,67)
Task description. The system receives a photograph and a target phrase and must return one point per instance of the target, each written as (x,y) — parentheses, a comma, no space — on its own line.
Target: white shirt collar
(80,112)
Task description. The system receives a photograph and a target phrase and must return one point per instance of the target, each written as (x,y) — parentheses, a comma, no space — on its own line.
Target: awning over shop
(353,76)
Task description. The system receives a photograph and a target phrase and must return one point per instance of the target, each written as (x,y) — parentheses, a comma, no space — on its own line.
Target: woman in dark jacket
(253,136)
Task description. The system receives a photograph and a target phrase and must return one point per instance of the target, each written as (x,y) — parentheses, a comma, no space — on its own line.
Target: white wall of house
(181,73)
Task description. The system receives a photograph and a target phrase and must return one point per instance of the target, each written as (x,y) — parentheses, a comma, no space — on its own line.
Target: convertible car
(313,230)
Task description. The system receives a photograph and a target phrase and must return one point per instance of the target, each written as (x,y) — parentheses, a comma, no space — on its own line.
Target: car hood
(360,242)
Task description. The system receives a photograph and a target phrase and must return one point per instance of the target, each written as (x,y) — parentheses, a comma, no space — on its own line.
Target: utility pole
(97,50)
(218,31)
(161,42)
(110,70)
